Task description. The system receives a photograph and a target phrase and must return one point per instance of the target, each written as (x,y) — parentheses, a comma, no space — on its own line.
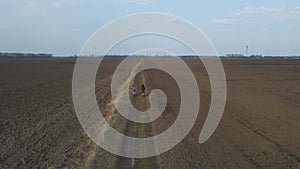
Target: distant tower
(247,47)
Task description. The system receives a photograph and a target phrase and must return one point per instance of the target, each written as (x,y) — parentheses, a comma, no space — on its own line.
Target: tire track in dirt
(95,156)
(137,130)
(122,125)
(142,103)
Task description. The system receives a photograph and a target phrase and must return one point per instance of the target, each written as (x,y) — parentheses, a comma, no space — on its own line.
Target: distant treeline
(256,56)
(45,55)
(238,56)
(25,55)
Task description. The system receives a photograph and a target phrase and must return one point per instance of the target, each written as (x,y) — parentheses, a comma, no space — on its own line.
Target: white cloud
(174,19)
(226,21)
(258,10)
(141,2)
(29,8)
(276,14)
(58,4)
(136,2)
(288,16)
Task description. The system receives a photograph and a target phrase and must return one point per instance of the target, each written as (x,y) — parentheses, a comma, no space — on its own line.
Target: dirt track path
(137,130)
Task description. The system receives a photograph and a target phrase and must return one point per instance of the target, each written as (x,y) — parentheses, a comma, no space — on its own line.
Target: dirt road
(39,128)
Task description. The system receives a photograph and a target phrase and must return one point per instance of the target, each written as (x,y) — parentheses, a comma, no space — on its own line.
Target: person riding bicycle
(143,90)
(133,91)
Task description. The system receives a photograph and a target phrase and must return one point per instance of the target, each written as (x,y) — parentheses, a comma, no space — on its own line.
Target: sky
(61,27)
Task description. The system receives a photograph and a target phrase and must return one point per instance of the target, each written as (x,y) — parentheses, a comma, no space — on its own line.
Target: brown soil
(259,127)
